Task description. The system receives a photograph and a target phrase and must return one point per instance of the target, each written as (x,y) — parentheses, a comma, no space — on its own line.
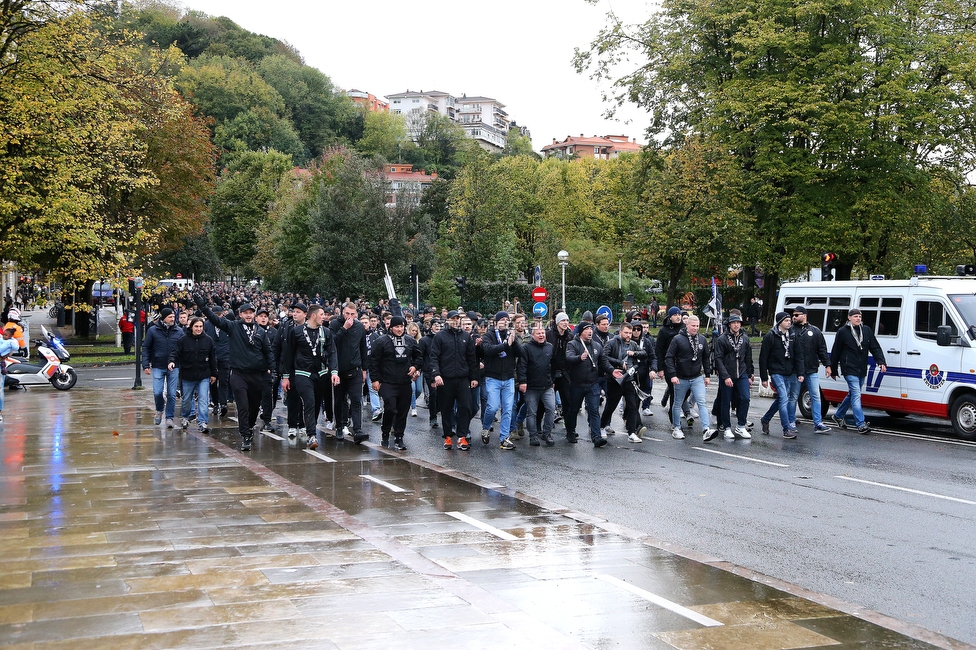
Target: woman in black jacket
(196,357)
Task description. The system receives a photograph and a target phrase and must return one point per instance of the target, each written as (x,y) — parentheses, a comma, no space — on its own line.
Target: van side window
(929,315)
(837,313)
(882,315)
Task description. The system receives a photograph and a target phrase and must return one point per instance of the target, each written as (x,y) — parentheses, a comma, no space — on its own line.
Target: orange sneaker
(463,444)
(448,443)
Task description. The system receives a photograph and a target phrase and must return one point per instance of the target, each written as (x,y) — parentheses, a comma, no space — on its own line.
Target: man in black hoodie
(535,383)
(307,371)
(394,363)
(454,366)
(350,340)
(424,345)
(559,334)
(251,361)
(586,364)
(849,356)
(669,329)
(780,361)
(623,353)
(221,390)
(501,349)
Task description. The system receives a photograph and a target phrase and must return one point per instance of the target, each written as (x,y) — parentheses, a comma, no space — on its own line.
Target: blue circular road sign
(605,310)
(540,309)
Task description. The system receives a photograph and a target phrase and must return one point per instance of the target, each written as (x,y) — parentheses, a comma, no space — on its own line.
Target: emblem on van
(933,378)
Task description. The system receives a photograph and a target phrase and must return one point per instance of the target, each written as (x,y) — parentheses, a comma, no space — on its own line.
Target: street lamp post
(563,261)
(620,270)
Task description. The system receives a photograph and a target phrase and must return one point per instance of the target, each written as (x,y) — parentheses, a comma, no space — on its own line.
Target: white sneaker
(647,411)
(185,424)
(292,433)
(728,434)
(169,424)
(634,438)
(742,432)
(709,434)
(345,431)
(413,413)
(677,433)
(691,420)
(330,426)
(607,431)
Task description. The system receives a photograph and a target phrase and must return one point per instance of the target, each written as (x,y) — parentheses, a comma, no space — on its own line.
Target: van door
(881,310)
(927,365)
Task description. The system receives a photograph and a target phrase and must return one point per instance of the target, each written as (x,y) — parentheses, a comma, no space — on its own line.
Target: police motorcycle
(53,370)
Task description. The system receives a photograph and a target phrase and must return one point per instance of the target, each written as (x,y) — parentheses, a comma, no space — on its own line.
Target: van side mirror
(943,336)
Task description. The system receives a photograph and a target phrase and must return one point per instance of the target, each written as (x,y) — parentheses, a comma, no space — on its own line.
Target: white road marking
(497,532)
(389,486)
(319,456)
(755,460)
(111,378)
(271,435)
(904,489)
(915,436)
(691,615)
(231,417)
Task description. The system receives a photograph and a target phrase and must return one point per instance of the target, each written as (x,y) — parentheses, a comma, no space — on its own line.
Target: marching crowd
(216,345)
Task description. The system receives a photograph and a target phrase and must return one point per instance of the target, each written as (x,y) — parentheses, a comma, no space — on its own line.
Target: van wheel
(806,404)
(963,416)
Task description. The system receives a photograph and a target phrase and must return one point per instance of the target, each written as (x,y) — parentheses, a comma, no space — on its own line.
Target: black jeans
(248,388)
(350,387)
(455,390)
(218,396)
(310,393)
(631,415)
(396,406)
(431,398)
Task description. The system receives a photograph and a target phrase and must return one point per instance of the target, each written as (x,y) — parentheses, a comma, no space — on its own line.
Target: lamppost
(563,261)
(620,270)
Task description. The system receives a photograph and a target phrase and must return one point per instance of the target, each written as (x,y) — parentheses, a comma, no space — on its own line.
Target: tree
(245,194)
(840,114)
(517,144)
(692,213)
(385,135)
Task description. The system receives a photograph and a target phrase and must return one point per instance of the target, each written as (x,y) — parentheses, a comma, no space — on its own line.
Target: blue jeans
(696,387)
(812,381)
(533,399)
(501,393)
(855,385)
(740,385)
(374,397)
(200,390)
(785,385)
(418,390)
(577,395)
(163,377)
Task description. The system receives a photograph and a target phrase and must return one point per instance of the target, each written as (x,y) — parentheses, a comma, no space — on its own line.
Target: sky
(516,51)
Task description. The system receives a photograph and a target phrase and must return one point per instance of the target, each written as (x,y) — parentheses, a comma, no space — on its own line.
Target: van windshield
(965,304)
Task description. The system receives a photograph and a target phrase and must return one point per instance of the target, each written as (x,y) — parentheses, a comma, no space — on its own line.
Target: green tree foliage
(692,214)
(246,192)
(442,146)
(88,153)
(385,135)
(842,114)
(517,144)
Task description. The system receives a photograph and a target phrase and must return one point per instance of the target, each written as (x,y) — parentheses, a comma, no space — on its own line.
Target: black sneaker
(246,443)
(547,437)
(534,441)
(864,429)
(599,442)
(506,445)
(223,410)
(572,438)
(360,437)
(377,416)
(266,427)
(433,424)
(765,427)
(398,444)
(821,429)
(789,435)
(840,422)
(386,439)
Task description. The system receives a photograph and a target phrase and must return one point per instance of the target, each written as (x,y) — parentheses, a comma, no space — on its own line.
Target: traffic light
(462,283)
(827,263)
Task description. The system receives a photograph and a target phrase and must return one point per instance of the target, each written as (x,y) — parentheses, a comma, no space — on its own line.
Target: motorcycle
(53,371)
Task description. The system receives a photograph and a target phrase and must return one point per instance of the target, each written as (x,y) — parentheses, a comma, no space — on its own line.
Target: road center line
(755,460)
(690,614)
(318,455)
(904,489)
(497,532)
(389,486)
(111,378)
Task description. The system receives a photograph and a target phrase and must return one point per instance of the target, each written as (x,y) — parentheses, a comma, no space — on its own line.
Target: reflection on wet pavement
(117,534)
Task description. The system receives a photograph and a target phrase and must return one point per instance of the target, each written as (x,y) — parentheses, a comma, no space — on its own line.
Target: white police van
(926,326)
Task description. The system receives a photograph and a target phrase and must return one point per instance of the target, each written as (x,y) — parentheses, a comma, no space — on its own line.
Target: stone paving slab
(115,533)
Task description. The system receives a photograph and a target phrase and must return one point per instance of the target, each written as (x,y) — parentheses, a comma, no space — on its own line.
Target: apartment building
(598,147)
(369,100)
(404,184)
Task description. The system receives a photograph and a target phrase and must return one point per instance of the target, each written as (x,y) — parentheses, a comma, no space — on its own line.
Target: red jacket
(126,326)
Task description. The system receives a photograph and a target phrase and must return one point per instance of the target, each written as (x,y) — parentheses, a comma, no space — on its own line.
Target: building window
(416,101)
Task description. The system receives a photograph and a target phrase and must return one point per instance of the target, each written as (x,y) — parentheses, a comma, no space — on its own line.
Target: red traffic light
(828,258)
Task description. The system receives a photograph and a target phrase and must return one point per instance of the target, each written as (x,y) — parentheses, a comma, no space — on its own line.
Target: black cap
(263,310)
(799,309)
(301,306)
(245,307)
(453,313)
(218,308)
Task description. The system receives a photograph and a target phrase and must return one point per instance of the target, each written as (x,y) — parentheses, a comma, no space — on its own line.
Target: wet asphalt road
(884,521)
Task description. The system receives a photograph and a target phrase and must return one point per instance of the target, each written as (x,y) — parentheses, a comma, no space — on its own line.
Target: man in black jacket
(733,362)
(454,366)
(251,361)
(501,349)
(586,365)
(688,364)
(779,361)
(394,363)
(425,344)
(813,348)
(350,340)
(293,403)
(221,390)
(269,395)
(308,368)
(849,355)
(623,353)
(535,384)
(560,335)
(669,329)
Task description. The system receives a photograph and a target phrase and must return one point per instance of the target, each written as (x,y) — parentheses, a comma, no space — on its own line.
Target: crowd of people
(217,344)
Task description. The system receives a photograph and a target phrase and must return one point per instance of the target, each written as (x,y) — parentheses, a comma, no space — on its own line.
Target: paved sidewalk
(117,534)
